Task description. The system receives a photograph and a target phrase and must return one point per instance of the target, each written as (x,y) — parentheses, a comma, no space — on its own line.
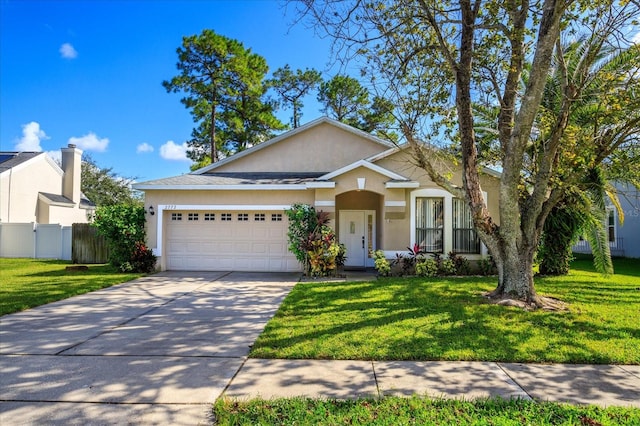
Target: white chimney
(71,163)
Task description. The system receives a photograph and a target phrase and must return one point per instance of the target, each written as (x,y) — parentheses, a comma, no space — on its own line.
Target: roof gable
(297,137)
(366,164)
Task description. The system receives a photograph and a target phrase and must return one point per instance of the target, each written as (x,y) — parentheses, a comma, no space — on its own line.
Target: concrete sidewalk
(604,385)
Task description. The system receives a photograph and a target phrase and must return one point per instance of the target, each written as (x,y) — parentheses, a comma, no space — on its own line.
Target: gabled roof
(366,164)
(9,160)
(395,149)
(61,200)
(12,159)
(291,133)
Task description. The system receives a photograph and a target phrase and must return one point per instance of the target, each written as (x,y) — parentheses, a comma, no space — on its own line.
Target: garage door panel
(230,245)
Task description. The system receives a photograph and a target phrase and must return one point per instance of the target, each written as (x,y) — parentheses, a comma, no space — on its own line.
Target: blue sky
(90,73)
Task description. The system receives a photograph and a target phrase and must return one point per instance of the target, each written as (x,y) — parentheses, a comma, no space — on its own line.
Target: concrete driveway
(157,350)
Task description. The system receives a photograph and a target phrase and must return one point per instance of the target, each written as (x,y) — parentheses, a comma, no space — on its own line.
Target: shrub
(123,227)
(323,254)
(487,266)
(447,267)
(381,263)
(313,241)
(427,268)
(461,263)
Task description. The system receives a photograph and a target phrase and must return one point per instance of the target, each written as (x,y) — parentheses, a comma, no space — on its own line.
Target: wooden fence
(87,246)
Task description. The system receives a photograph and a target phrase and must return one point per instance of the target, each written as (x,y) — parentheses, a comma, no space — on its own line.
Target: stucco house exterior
(231,215)
(34,189)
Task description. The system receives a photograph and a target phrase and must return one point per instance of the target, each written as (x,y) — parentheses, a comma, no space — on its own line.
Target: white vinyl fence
(35,241)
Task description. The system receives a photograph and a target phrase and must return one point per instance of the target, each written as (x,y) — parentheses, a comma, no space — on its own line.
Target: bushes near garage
(123,227)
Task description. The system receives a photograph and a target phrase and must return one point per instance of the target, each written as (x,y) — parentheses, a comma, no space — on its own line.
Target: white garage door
(228,241)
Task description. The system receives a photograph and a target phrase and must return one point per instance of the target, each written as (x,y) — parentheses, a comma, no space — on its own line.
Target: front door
(357,234)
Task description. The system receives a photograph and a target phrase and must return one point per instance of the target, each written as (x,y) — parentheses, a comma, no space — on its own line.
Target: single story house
(230,215)
(34,189)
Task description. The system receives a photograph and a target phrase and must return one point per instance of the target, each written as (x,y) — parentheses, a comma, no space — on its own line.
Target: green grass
(416,411)
(25,283)
(448,319)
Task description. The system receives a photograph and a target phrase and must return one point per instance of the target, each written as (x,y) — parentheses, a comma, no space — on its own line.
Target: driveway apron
(157,350)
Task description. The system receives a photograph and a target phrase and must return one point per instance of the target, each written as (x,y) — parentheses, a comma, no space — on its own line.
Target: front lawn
(447,319)
(416,411)
(25,283)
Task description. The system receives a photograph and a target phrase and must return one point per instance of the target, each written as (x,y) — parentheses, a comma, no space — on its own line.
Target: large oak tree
(436,59)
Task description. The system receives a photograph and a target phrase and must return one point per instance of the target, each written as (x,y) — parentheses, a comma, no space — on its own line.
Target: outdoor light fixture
(151,211)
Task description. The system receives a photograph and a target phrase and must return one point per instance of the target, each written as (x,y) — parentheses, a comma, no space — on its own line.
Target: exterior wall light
(151,211)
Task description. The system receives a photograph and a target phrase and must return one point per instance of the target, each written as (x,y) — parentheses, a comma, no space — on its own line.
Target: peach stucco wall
(323,148)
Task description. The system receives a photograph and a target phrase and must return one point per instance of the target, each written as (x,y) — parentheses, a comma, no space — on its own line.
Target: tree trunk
(515,274)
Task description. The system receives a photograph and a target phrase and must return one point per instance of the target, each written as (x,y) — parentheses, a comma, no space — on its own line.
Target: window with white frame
(176,216)
(465,238)
(192,216)
(209,217)
(430,224)
(225,217)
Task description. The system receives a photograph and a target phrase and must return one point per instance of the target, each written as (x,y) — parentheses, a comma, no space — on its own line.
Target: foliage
(461,263)
(416,410)
(408,261)
(381,263)
(313,241)
(224,91)
(487,266)
(560,232)
(123,227)
(447,267)
(292,87)
(343,98)
(323,253)
(27,283)
(448,318)
(436,60)
(142,260)
(104,187)
(427,268)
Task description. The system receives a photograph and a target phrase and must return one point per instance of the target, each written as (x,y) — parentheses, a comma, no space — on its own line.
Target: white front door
(357,233)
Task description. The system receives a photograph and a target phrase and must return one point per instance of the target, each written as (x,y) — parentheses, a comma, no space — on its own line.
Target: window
(209,216)
(611,225)
(243,217)
(225,217)
(192,216)
(176,216)
(259,217)
(430,224)
(465,239)
(276,217)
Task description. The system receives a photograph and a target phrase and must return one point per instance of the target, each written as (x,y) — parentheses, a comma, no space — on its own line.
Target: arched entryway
(357,223)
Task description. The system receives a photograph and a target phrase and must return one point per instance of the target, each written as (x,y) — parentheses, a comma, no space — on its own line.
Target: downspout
(9,197)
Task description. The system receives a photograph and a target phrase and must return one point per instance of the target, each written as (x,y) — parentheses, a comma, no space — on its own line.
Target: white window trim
(448,217)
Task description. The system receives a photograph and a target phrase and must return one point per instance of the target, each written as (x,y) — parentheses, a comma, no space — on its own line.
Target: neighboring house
(33,188)
(624,238)
(230,215)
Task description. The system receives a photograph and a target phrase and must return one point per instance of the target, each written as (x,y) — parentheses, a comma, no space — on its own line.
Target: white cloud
(32,134)
(144,147)
(67,51)
(56,156)
(90,142)
(173,151)
(636,38)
